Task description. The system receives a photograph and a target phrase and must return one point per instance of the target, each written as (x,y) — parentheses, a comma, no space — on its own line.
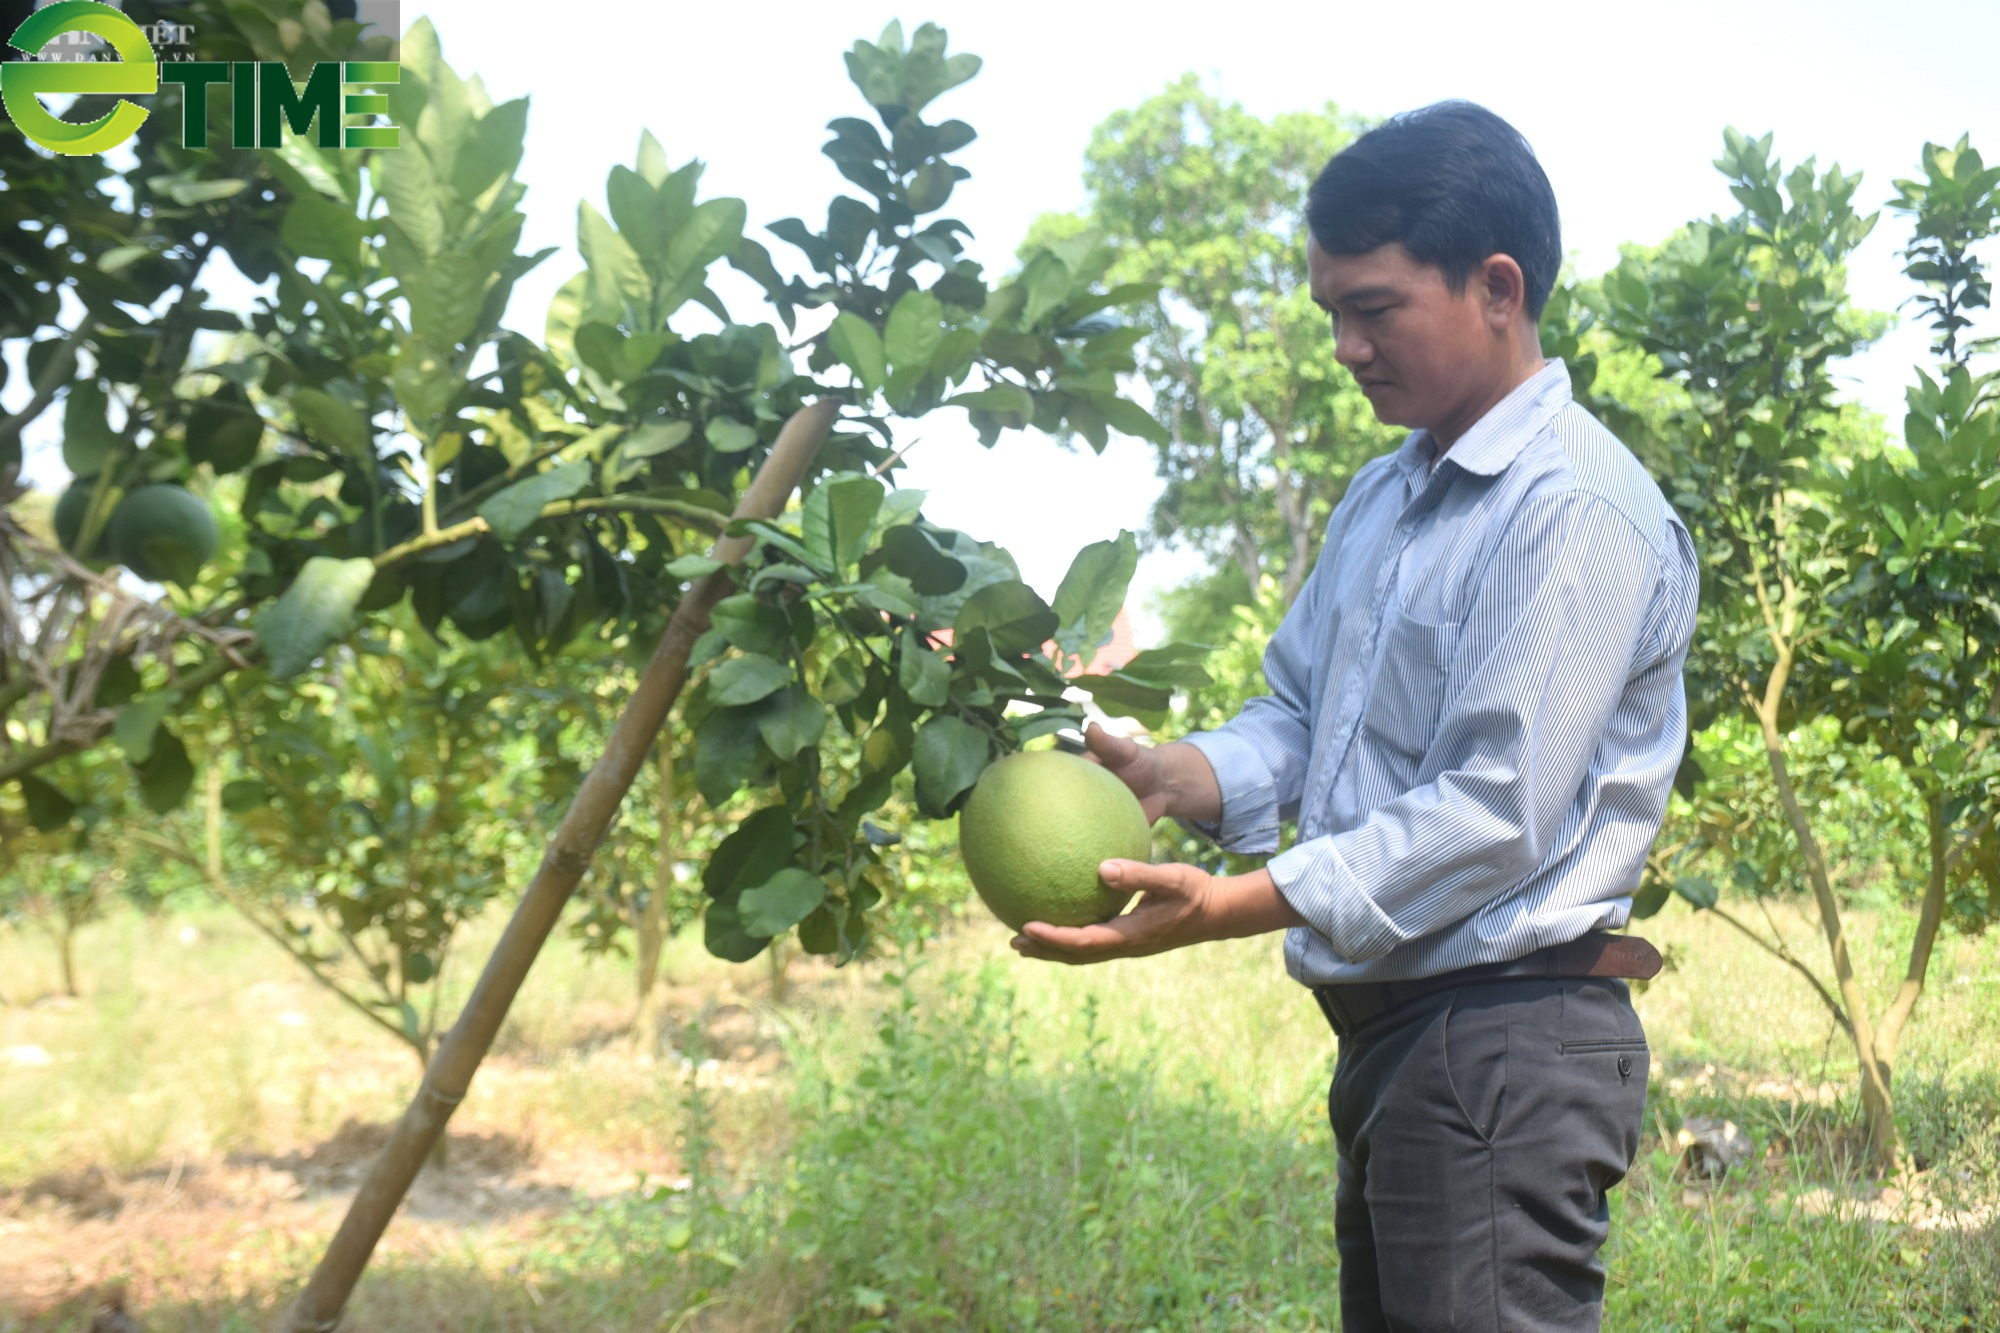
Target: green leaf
(617,281)
(166,774)
(332,423)
(1012,615)
(746,679)
(87,438)
(711,232)
(722,931)
(447,298)
(48,808)
(930,187)
(726,753)
(1174,665)
(1117,693)
(914,331)
(1092,592)
(423,383)
(514,510)
(655,438)
(224,432)
(752,625)
(781,902)
(760,846)
(321,229)
(924,675)
(414,199)
(1651,898)
(244,794)
(314,612)
(791,720)
(1699,890)
(838,517)
(950,755)
(727,435)
(1006,399)
(912,553)
(854,340)
(1130,418)
(135,727)
(692,566)
(889,592)
(843,681)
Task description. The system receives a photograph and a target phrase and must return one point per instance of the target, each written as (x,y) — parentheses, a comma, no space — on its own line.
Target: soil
(92,1238)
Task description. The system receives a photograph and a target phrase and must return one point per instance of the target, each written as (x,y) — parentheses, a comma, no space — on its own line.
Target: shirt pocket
(1409,688)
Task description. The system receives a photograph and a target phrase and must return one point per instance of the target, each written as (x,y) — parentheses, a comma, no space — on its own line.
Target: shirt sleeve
(1260,755)
(1544,656)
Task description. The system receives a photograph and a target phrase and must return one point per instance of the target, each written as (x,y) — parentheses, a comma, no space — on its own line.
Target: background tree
(1837,580)
(1207,202)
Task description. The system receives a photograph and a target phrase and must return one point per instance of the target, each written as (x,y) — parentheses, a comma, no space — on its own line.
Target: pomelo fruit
(70,509)
(163,532)
(1033,831)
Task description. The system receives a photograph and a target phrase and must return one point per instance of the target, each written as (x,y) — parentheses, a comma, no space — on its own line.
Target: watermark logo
(89,47)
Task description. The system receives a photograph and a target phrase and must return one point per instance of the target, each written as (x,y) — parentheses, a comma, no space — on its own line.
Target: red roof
(1114,654)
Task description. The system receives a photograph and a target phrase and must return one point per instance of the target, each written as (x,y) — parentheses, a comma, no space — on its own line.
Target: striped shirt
(1476,709)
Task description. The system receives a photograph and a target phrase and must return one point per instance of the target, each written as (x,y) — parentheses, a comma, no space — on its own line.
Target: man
(1475,716)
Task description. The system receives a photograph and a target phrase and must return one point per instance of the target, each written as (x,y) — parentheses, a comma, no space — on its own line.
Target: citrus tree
(373,437)
(1842,580)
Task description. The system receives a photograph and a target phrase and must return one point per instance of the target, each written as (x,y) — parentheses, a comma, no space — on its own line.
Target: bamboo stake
(583,826)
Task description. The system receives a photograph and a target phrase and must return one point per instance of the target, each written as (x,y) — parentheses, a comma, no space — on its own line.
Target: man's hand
(1180,906)
(1171,781)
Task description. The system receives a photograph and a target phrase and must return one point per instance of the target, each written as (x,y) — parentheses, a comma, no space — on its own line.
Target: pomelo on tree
(163,532)
(1034,830)
(70,509)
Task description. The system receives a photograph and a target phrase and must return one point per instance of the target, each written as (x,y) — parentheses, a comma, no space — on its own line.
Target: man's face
(1420,351)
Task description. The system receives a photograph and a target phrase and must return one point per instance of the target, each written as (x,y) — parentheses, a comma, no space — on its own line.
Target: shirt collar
(1497,438)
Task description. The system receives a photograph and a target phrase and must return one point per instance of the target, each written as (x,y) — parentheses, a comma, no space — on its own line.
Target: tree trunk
(1295,508)
(1930,917)
(651,927)
(213,821)
(66,946)
(1877,1104)
(776,959)
(583,826)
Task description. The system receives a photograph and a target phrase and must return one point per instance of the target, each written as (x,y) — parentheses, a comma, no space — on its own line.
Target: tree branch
(1784,955)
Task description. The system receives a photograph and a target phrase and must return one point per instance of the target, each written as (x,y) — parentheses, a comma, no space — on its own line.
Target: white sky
(1624,103)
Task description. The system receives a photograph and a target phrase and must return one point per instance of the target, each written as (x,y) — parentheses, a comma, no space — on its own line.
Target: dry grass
(224,1105)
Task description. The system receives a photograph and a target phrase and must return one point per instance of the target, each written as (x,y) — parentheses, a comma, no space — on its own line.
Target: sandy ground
(181,1228)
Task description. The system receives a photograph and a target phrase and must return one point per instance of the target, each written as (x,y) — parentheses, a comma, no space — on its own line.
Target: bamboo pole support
(322,1303)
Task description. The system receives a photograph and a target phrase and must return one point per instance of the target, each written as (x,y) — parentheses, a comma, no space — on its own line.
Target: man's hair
(1455,184)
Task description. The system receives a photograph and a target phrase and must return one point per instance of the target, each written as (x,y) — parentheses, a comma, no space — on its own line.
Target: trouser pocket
(1475,1064)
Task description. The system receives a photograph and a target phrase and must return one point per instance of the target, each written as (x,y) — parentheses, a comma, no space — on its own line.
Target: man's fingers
(1169,879)
(1114,751)
(1071,944)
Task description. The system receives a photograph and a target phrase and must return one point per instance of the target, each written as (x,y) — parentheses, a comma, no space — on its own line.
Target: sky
(1625,105)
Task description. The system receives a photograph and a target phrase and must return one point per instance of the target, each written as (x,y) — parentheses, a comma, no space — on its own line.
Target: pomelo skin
(163,532)
(1034,830)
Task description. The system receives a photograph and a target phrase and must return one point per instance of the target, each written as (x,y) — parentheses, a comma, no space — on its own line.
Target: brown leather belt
(1597,954)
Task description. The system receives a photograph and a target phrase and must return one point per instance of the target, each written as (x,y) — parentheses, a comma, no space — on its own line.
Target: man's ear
(1506,291)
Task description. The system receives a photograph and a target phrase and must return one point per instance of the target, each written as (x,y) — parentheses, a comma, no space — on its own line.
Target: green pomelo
(70,510)
(1033,831)
(163,532)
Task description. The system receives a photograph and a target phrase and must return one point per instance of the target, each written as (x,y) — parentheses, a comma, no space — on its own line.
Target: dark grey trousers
(1478,1132)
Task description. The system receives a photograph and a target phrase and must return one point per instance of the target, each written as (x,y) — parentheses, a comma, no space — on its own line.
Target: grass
(973,1142)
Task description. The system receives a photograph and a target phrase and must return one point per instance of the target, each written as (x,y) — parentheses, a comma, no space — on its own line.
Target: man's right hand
(1171,781)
